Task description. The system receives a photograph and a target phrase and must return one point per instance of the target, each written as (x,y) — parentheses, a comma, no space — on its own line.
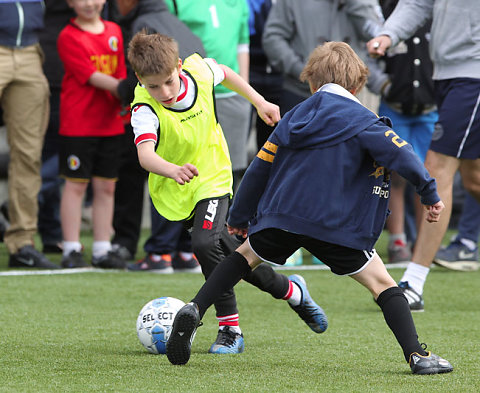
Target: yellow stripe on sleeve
(265,156)
(270,147)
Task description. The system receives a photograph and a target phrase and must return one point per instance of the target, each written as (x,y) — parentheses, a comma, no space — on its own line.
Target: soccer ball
(154,323)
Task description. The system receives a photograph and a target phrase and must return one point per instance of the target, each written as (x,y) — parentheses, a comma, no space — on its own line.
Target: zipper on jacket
(21,22)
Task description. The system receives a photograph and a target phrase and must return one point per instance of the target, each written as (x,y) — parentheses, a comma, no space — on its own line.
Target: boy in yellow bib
(180,142)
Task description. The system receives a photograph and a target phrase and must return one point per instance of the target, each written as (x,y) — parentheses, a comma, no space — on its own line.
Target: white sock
(296,295)
(416,275)
(100,248)
(235,329)
(68,247)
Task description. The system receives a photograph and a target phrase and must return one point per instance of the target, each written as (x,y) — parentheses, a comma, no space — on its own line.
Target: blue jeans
(469,223)
(167,236)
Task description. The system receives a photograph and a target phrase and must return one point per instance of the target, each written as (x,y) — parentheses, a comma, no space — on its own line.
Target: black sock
(396,312)
(224,277)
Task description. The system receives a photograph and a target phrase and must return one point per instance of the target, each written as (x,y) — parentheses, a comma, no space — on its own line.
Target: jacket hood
(324,120)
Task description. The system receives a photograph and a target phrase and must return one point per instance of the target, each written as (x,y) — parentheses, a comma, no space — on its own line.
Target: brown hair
(152,54)
(335,62)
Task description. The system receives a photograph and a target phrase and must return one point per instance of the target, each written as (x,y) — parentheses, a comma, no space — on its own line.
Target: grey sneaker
(29,257)
(457,256)
(415,300)
(399,252)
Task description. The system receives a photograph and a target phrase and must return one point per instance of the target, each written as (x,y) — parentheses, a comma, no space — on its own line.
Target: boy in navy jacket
(320,182)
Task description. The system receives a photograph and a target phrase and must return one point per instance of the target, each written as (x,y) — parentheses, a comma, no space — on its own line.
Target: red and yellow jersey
(84,109)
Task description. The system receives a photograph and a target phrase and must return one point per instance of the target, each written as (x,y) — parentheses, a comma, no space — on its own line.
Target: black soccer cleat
(184,326)
(429,364)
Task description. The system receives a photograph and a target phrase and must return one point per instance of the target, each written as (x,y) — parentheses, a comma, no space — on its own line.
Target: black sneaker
(228,342)
(415,300)
(111,260)
(27,256)
(74,259)
(153,263)
(184,326)
(123,251)
(185,265)
(429,364)
(55,248)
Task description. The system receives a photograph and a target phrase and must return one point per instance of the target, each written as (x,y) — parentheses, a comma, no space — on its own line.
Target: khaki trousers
(24,97)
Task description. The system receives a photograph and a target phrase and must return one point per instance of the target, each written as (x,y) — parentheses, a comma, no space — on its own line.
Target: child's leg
(225,276)
(71,209)
(211,245)
(245,263)
(393,303)
(102,208)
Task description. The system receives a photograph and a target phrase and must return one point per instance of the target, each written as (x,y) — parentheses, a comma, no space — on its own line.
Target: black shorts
(457,132)
(85,157)
(275,246)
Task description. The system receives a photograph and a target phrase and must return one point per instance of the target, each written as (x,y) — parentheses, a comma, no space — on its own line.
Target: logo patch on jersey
(73,162)
(379,171)
(113,43)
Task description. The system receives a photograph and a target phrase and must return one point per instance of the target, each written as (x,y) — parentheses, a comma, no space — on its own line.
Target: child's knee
(389,293)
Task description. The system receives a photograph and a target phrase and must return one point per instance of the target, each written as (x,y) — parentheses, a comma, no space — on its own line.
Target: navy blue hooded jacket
(20,22)
(322,173)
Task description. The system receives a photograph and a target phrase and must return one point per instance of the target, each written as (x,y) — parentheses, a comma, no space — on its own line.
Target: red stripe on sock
(289,292)
(228,320)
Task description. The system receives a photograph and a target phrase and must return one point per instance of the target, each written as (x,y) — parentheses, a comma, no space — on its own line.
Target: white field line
(96,270)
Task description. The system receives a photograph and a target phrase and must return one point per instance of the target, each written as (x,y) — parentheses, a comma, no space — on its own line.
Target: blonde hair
(335,62)
(152,54)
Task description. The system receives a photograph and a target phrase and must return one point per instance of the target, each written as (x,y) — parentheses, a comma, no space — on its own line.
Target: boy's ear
(179,66)
(138,77)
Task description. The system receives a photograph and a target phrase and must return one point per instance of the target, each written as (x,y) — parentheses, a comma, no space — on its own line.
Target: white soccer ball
(154,323)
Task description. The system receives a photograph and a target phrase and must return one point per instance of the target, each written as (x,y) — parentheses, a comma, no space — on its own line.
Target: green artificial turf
(76,333)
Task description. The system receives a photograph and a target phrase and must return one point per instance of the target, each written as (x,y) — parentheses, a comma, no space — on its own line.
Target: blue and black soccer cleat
(227,342)
(308,310)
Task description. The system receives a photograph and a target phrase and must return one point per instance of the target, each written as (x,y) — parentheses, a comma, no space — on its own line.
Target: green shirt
(221,25)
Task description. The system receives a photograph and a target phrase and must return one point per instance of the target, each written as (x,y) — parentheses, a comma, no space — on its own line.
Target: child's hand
(183,174)
(269,113)
(243,232)
(433,211)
